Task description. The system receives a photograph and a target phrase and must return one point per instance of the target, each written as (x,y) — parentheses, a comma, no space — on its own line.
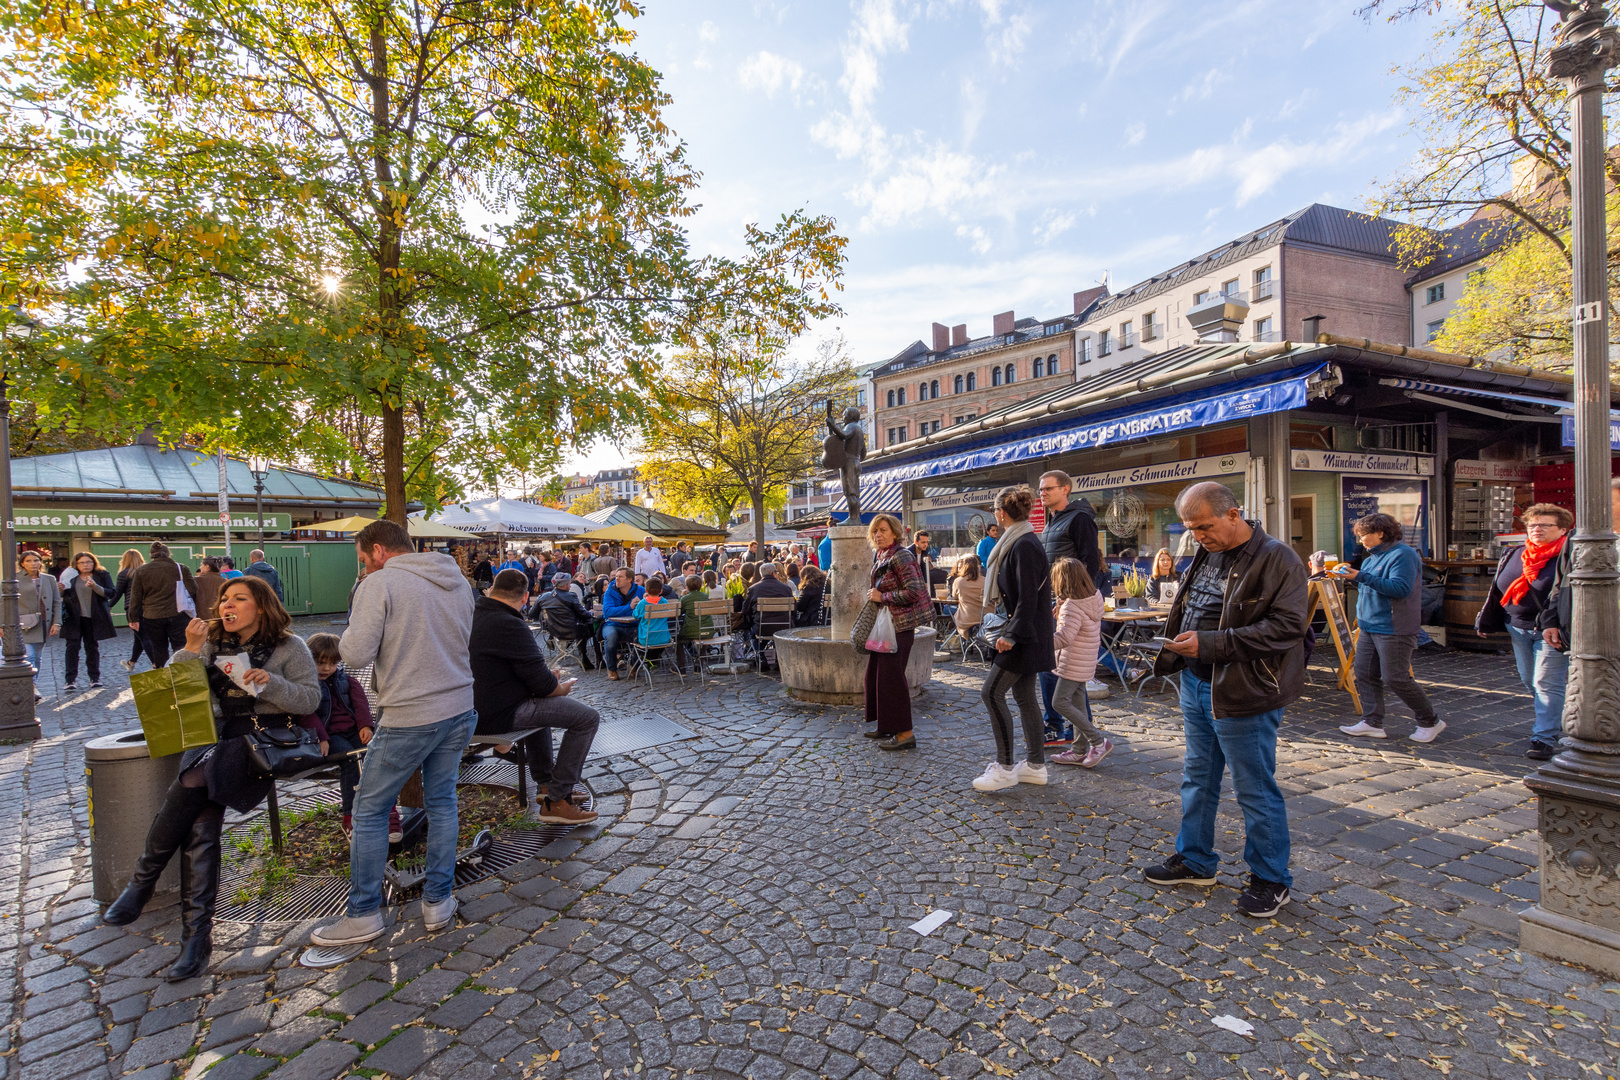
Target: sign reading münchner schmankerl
(120,519)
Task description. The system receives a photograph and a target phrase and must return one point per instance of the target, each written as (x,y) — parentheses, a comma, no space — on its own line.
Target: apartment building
(931,386)
(1321,261)
(620,483)
(1434,290)
(576,486)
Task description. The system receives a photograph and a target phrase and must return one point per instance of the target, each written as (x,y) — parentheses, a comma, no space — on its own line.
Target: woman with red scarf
(1521,602)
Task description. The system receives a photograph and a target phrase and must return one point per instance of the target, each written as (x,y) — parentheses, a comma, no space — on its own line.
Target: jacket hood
(430,566)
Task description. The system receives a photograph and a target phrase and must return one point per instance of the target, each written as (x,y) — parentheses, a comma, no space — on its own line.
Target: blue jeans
(1544,671)
(1049,715)
(612,634)
(1249,745)
(391,757)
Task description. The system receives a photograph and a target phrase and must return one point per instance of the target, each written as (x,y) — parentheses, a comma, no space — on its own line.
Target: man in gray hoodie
(411,620)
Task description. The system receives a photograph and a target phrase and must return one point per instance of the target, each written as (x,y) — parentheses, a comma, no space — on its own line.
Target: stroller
(983,642)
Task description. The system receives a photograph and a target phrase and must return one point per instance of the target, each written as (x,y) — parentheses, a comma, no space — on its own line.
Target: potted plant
(1134,585)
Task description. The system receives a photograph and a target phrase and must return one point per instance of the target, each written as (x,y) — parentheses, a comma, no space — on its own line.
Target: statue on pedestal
(843,450)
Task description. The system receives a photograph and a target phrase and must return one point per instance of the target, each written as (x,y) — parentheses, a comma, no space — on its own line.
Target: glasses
(1540,525)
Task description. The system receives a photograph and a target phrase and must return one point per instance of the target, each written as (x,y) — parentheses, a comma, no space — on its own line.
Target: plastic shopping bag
(882,639)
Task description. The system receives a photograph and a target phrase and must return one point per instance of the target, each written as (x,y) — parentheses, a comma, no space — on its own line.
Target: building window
(1434,329)
(1127,334)
(900,396)
(1082,355)
(995,376)
(1434,293)
(1263,330)
(933,389)
(1052,364)
(1103,347)
(922,391)
(956,385)
(891,399)
(1229,289)
(897,435)
(1007,376)
(1038,368)
(1262,285)
(1149,330)
(1200,297)
(973,380)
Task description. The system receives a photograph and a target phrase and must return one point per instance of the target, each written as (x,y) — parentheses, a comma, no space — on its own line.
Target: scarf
(1536,556)
(998,554)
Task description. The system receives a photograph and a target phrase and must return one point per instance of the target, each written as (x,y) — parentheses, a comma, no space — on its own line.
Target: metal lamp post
(259,467)
(1578,791)
(17,719)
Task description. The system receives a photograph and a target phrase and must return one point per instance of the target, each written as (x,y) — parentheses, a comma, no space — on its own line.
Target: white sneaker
(1026,773)
(1427,734)
(1364,729)
(127,665)
(440,915)
(1097,691)
(997,777)
(349,930)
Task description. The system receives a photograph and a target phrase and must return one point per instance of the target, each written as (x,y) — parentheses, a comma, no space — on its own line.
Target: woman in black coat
(1019,578)
(87,618)
(132,561)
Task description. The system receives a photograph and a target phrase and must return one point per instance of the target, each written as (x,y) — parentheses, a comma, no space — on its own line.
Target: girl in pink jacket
(1079,631)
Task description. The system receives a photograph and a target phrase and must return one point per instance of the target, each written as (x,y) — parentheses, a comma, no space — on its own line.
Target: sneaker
(1541,751)
(564,812)
(436,915)
(1056,738)
(996,777)
(1364,729)
(127,665)
(71,688)
(1175,871)
(348,826)
(396,827)
(349,930)
(1262,899)
(1028,773)
(95,684)
(1097,691)
(1067,757)
(1427,734)
(1095,754)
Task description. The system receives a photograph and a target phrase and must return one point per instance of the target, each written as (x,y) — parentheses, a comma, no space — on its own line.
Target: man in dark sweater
(515,691)
(1070,533)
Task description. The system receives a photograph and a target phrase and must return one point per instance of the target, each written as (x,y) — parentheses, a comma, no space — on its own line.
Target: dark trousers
(137,646)
(1025,692)
(1383,662)
(92,652)
(163,634)
(349,770)
(1049,713)
(888,695)
(555,779)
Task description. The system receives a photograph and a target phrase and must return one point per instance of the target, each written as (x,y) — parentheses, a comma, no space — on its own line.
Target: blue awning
(1474,391)
(1266,394)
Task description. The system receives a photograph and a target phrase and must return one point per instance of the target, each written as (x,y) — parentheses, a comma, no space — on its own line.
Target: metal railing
(1263,290)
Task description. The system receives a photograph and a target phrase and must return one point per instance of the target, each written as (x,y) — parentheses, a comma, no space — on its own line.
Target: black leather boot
(199,881)
(169,830)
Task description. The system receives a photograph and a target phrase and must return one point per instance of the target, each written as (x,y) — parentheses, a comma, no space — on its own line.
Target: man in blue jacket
(1389,600)
(619,603)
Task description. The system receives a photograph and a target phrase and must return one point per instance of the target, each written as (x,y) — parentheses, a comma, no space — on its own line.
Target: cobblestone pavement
(742,909)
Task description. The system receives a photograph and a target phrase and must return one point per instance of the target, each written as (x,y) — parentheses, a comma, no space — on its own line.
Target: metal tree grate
(627,734)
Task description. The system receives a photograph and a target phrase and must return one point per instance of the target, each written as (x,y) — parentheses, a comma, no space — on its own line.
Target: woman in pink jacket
(1079,629)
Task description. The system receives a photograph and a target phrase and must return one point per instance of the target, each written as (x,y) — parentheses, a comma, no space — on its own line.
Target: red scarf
(1535,557)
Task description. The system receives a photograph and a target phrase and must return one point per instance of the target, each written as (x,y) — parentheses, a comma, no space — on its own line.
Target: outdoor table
(1126,622)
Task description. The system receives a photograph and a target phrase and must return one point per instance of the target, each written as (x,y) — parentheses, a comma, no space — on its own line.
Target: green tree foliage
(741,422)
(402,239)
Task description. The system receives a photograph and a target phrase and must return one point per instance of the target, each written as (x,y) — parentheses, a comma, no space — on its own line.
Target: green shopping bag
(175,707)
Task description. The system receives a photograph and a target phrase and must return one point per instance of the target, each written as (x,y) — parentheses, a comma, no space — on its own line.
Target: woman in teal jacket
(1389,600)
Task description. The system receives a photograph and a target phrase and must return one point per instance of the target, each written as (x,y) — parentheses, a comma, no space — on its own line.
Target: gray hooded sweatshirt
(412,619)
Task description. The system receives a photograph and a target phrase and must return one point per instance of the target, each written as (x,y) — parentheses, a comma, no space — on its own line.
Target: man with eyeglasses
(1070,533)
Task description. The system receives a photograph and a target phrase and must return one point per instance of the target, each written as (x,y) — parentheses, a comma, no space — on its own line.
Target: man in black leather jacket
(1237,630)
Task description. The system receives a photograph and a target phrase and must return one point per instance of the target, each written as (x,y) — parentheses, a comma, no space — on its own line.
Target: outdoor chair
(771,613)
(643,660)
(518,740)
(719,647)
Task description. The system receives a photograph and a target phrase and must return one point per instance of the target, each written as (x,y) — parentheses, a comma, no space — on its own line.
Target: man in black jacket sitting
(515,691)
(565,616)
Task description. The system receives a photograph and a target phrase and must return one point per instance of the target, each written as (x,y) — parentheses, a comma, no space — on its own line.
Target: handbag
(183,603)
(283,748)
(175,706)
(863,625)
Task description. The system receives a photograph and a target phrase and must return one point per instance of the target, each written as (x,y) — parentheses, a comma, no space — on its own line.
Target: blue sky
(983,155)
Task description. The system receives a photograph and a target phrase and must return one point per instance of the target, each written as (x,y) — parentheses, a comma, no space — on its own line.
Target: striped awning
(888,499)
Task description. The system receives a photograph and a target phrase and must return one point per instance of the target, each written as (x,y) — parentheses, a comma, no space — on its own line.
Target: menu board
(1405,500)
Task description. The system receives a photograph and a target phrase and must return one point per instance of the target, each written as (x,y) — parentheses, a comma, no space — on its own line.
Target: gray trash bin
(126,788)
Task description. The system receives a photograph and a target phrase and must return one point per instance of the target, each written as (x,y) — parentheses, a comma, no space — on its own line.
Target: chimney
(1002,324)
(1311,325)
(959,334)
(942,337)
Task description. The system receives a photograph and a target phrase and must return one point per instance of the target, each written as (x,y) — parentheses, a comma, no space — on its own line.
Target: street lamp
(17,719)
(259,466)
(1578,791)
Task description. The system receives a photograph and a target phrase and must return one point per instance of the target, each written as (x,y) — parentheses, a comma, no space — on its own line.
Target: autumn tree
(747,416)
(593,500)
(428,238)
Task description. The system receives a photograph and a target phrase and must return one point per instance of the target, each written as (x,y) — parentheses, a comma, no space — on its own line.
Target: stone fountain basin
(818,667)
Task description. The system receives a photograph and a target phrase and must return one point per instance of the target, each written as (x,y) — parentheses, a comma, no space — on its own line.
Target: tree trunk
(393,423)
(759,518)
(388,300)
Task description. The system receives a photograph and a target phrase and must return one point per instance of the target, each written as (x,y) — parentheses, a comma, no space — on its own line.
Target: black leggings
(1026,691)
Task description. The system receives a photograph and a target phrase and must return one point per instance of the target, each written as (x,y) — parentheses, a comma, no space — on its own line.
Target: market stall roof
(509,516)
(655,523)
(744,533)
(623,534)
(145,471)
(417,527)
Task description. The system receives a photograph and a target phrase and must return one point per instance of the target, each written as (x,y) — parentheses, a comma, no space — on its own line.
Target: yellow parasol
(417,527)
(624,534)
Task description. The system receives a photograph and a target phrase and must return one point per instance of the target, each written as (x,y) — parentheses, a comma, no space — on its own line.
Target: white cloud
(1204,88)
(1053,225)
(1135,133)
(768,73)
(981,240)
(708,31)
(936,180)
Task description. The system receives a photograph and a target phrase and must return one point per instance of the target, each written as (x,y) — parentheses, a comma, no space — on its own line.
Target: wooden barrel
(1466,589)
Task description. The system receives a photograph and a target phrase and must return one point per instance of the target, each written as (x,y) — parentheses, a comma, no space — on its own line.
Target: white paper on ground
(236,667)
(931,922)
(1232,1023)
